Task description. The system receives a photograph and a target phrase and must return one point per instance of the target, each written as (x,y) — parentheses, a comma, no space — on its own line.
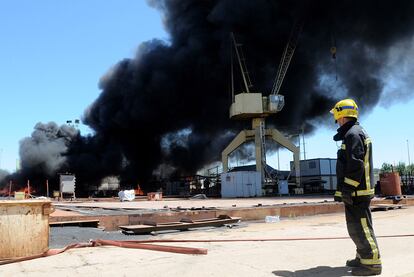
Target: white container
(241,184)
(67,183)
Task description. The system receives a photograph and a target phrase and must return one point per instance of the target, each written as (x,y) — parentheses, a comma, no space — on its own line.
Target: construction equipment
(256,106)
(287,57)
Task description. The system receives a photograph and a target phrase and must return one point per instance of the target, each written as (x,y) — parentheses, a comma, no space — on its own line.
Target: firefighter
(355,187)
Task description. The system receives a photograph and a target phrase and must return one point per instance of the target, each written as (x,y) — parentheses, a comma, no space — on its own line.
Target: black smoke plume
(169,104)
(3,175)
(42,155)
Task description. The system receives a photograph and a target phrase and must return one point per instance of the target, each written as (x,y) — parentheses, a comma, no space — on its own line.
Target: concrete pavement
(190,203)
(286,258)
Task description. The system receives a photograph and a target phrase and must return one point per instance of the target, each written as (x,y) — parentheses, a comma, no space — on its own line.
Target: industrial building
(317,175)
(245,181)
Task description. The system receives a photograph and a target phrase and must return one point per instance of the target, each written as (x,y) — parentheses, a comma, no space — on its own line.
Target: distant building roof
(281,173)
(67,177)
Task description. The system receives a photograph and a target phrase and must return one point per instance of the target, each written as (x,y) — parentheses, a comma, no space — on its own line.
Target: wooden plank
(24,228)
(23,202)
(144,229)
(84,223)
(385,207)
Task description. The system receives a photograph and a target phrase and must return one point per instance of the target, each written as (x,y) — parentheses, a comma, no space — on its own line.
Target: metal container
(390,184)
(19,195)
(154,196)
(241,184)
(24,227)
(67,184)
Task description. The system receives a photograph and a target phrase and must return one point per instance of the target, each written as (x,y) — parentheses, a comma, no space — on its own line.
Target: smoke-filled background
(166,110)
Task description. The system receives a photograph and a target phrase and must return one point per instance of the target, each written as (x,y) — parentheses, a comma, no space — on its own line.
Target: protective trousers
(359,224)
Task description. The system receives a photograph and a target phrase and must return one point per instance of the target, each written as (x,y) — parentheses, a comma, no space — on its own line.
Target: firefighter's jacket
(354,168)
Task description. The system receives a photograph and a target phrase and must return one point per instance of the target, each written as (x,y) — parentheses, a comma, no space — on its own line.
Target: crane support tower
(257,107)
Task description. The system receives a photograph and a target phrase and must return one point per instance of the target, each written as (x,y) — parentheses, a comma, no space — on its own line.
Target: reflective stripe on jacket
(354,164)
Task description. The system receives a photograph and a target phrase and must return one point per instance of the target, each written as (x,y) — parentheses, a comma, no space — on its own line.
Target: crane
(287,56)
(256,106)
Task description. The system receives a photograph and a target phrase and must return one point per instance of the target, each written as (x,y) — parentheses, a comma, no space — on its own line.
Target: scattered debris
(396,197)
(154,196)
(126,195)
(272,218)
(199,196)
(385,207)
(184,224)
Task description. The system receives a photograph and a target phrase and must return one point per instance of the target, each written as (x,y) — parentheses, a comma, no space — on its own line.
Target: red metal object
(390,184)
(154,196)
(125,244)
(163,248)
(143,244)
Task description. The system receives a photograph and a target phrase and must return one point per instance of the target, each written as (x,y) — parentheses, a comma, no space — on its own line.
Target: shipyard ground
(110,213)
(283,258)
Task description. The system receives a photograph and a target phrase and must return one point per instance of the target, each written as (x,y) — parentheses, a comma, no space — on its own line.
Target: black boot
(367,270)
(353,263)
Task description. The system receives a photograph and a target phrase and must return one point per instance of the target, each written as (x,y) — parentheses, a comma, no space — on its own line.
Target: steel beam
(285,142)
(241,138)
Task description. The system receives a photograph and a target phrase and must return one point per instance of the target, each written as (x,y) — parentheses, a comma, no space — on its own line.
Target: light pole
(303,142)
(278,159)
(409,183)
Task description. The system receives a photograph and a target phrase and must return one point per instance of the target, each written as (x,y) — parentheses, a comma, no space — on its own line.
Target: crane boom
(242,64)
(287,57)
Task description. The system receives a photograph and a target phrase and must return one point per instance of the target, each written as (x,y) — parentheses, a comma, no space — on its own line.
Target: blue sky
(53,53)
(389,127)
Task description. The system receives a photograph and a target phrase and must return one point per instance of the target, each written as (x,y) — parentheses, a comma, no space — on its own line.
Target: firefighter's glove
(347,196)
(337,198)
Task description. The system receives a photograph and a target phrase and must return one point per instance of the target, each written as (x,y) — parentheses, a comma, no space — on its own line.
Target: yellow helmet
(345,108)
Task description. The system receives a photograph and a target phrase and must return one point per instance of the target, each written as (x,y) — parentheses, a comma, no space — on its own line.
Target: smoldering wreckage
(167,108)
(164,114)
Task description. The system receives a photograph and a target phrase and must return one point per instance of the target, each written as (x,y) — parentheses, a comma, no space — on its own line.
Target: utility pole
(47,188)
(409,183)
(278,159)
(10,186)
(303,142)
